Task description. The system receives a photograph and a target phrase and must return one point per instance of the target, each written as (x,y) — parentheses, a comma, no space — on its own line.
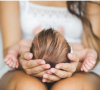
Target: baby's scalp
(51,46)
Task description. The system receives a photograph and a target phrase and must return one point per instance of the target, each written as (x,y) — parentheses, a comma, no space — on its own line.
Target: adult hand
(33,67)
(55,74)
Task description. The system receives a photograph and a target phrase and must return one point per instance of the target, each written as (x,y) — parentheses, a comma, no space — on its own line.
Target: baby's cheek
(37,30)
(61,30)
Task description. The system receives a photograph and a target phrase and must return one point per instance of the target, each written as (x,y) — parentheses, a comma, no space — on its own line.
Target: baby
(51,46)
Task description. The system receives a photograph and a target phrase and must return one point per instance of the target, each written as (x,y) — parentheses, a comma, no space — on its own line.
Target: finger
(73,57)
(49,81)
(37,69)
(32,63)
(26,55)
(8,62)
(48,71)
(91,59)
(10,65)
(87,67)
(6,59)
(14,65)
(88,63)
(93,62)
(84,68)
(14,59)
(17,65)
(40,74)
(46,80)
(69,67)
(51,77)
(60,73)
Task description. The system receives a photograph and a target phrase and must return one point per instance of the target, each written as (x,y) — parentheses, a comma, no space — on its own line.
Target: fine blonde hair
(51,46)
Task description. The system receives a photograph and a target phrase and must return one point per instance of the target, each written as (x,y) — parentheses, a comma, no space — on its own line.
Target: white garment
(33,15)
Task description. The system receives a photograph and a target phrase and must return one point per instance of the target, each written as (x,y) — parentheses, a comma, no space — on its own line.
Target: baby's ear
(61,30)
(37,30)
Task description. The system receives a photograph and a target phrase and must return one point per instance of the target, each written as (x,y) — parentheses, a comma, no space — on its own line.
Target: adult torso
(34,14)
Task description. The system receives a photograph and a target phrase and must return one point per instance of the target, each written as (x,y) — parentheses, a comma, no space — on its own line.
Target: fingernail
(45,76)
(93,61)
(53,70)
(29,56)
(44,80)
(47,66)
(5,60)
(57,66)
(48,72)
(42,62)
(70,55)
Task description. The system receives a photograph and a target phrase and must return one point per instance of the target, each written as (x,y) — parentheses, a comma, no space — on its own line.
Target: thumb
(26,56)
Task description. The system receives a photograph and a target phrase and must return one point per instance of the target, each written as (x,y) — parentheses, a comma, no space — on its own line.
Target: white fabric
(71,51)
(5,69)
(32,15)
(96,69)
(1,52)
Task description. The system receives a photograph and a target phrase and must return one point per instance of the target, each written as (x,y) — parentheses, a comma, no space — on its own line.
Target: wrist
(79,66)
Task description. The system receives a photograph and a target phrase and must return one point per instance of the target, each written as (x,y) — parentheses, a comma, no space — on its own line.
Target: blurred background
(1,52)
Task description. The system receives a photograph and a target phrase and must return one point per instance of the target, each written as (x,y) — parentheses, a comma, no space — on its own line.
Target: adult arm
(10,28)
(93,9)
(93,15)
(10,24)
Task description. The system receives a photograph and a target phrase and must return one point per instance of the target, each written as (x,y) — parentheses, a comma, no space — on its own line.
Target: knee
(30,84)
(22,81)
(69,84)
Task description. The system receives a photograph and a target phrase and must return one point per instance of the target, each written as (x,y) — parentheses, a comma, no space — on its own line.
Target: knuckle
(28,72)
(66,67)
(70,75)
(41,69)
(58,79)
(24,67)
(48,81)
(34,75)
(22,55)
(77,57)
(73,70)
(63,76)
(90,57)
(35,71)
(38,75)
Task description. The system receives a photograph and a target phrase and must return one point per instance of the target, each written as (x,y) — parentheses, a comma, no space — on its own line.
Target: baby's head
(51,46)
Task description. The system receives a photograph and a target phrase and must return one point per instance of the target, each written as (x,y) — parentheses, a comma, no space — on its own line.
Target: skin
(19,80)
(89,56)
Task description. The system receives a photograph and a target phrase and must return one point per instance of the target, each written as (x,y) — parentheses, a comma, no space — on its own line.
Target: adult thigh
(18,80)
(79,81)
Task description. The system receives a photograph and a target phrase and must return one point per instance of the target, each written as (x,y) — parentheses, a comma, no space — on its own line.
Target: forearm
(19,48)
(20,66)
(14,50)
(91,52)
(79,67)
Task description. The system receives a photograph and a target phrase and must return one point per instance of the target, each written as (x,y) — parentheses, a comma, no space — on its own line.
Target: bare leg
(18,80)
(79,81)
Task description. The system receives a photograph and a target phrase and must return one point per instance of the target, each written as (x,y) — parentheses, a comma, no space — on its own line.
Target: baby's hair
(51,46)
